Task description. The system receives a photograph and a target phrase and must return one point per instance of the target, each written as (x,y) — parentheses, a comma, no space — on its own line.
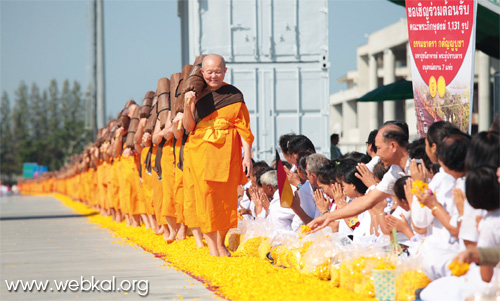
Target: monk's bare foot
(166,234)
(223,252)
(181,234)
(147,225)
(168,238)
(160,230)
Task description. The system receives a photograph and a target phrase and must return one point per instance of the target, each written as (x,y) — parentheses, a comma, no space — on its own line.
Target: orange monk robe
(74,186)
(109,185)
(189,205)
(100,187)
(103,184)
(79,186)
(178,186)
(147,184)
(214,149)
(91,188)
(85,186)
(128,188)
(108,179)
(157,193)
(138,207)
(115,187)
(123,191)
(168,179)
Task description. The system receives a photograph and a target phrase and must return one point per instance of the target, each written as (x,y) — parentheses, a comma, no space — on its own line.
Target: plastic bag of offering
(281,243)
(233,239)
(256,233)
(357,267)
(317,259)
(410,276)
(343,244)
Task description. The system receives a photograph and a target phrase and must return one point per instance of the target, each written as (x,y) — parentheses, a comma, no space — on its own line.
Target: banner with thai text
(442,37)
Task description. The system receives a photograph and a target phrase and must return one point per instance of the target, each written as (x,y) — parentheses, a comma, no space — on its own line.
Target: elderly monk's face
(213,72)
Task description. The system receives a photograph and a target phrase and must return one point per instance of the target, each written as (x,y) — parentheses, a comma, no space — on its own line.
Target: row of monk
(177,162)
(174,162)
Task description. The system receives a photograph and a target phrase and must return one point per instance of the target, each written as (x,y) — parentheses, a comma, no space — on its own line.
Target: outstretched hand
(365,175)
(320,222)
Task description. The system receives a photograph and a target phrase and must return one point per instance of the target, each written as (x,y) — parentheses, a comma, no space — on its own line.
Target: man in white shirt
(281,218)
(391,142)
(307,209)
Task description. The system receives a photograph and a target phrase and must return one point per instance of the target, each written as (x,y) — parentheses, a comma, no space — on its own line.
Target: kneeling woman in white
(353,188)
(482,190)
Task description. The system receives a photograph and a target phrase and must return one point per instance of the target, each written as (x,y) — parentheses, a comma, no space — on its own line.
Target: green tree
(9,165)
(55,136)
(20,126)
(38,118)
(73,127)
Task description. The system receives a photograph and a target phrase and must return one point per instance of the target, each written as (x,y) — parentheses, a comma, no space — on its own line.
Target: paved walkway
(41,239)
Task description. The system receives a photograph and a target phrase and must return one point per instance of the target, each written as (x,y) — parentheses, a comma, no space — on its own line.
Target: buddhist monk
(219,124)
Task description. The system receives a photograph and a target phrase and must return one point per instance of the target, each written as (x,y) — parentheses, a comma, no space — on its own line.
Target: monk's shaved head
(214,58)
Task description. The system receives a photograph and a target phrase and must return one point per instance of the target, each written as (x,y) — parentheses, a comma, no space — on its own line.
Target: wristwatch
(299,185)
(459,219)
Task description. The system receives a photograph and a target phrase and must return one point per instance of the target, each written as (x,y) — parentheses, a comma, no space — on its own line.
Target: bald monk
(188,206)
(142,150)
(152,186)
(219,123)
(130,177)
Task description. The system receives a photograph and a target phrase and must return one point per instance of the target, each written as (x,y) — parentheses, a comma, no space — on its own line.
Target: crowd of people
(182,163)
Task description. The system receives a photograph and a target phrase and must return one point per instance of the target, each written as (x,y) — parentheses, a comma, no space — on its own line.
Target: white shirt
(280,218)
(397,214)
(489,234)
(443,187)
(391,176)
(245,200)
(374,161)
(307,203)
(468,227)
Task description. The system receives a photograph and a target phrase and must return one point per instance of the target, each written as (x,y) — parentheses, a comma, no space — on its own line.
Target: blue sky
(42,40)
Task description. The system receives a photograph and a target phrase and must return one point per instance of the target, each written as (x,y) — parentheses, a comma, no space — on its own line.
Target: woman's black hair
(327,174)
(284,141)
(300,143)
(484,149)
(452,151)
(371,140)
(399,188)
(346,171)
(357,156)
(416,150)
(482,188)
(438,131)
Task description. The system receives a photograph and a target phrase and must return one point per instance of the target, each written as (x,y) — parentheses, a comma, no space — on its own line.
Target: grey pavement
(41,239)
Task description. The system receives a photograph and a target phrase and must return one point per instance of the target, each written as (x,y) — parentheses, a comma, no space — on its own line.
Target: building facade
(384,60)
(277,55)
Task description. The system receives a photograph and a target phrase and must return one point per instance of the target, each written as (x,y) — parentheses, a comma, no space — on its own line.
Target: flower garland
(236,278)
